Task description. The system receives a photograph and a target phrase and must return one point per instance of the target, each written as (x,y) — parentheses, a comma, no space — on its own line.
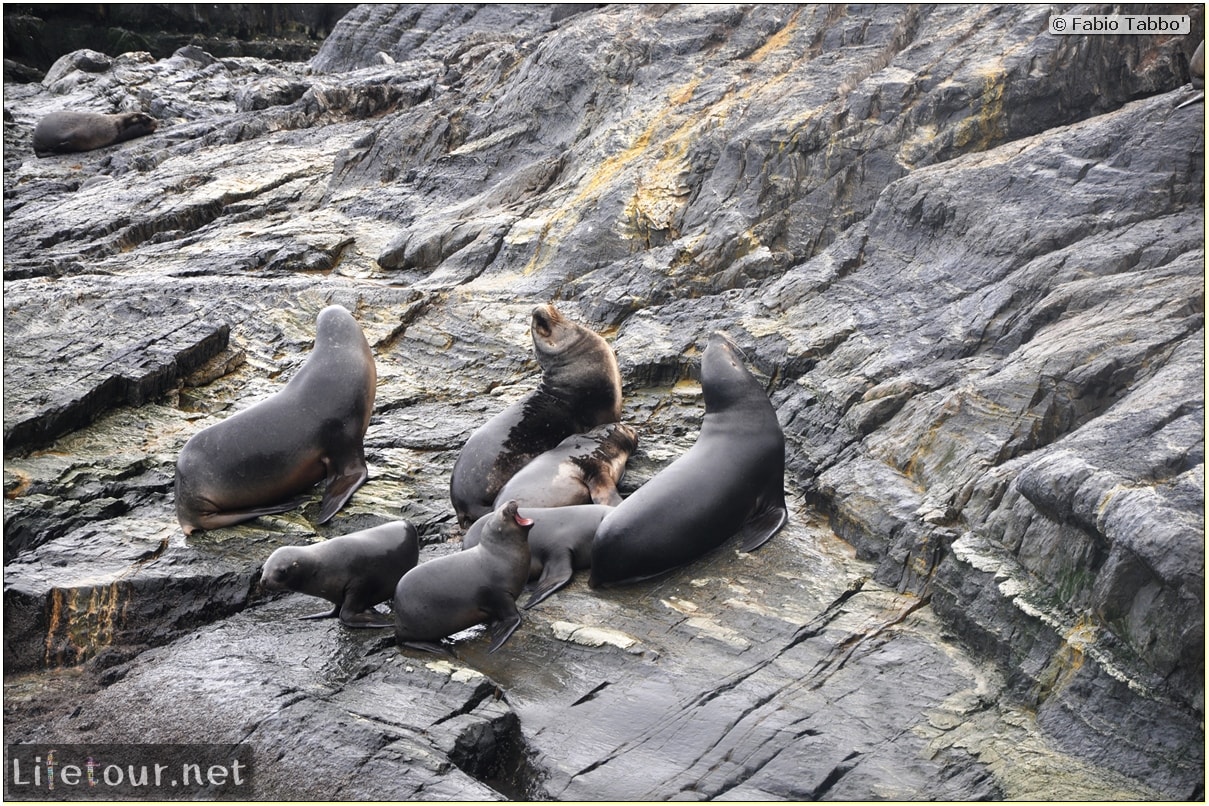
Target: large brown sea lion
(260,460)
(66,132)
(731,482)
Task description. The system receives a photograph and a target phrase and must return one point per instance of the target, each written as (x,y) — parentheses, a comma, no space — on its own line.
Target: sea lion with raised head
(452,593)
(582,469)
(580,389)
(730,482)
(560,543)
(261,460)
(67,132)
(354,572)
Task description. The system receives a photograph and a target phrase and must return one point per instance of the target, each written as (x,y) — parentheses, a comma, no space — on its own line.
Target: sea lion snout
(545,318)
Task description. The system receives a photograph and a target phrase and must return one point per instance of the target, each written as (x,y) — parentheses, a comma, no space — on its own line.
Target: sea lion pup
(261,460)
(449,594)
(560,543)
(579,390)
(582,469)
(354,572)
(66,132)
(732,481)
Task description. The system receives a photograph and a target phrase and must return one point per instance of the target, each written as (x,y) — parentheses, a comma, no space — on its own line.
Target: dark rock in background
(37,34)
(965,256)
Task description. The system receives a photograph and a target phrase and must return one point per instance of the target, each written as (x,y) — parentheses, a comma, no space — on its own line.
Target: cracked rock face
(964,257)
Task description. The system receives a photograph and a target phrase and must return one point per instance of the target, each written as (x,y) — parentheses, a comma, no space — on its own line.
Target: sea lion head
(283,570)
(508,526)
(577,365)
(553,334)
(136,124)
(335,326)
(725,379)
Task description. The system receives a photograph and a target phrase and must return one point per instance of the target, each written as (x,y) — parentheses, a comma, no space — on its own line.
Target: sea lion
(65,132)
(582,469)
(259,461)
(579,390)
(354,571)
(449,594)
(1196,75)
(560,543)
(731,481)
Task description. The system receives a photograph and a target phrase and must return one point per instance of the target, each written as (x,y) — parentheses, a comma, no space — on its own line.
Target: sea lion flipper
(335,611)
(604,491)
(502,630)
(757,531)
(1198,98)
(218,520)
(365,619)
(434,647)
(341,486)
(556,573)
(505,617)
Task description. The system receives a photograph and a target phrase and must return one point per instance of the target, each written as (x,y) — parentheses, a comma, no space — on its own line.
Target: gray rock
(965,257)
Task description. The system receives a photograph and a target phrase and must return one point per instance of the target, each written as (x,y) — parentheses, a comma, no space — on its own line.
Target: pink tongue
(522,521)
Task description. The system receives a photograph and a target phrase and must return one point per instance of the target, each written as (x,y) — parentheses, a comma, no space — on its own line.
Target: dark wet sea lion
(66,132)
(262,459)
(580,389)
(731,482)
(449,594)
(582,469)
(354,571)
(560,543)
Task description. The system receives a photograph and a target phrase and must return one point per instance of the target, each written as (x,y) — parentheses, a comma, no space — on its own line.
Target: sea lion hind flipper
(434,647)
(366,619)
(1198,98)
(219,520)
(760,529)
(341,486)
(556,573)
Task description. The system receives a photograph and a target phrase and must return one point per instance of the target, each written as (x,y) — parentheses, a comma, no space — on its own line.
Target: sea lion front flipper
(603,491)
(757,531)
(556,573)
(502,630)
(341,485)
(335,611)
(505,617)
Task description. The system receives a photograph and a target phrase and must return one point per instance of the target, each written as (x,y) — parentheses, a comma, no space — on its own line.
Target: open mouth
(544,320)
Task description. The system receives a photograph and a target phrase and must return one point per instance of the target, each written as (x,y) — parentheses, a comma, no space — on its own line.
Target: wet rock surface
(965,256)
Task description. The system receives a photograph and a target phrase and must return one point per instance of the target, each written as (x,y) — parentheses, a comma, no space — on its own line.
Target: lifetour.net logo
(128,772)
